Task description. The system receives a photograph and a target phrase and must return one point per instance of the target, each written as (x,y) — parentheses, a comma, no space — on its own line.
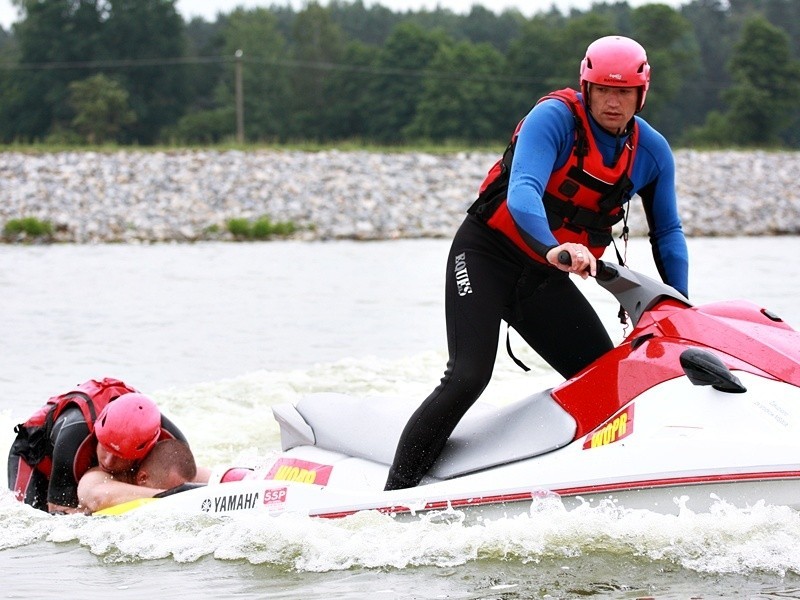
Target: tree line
(134,72)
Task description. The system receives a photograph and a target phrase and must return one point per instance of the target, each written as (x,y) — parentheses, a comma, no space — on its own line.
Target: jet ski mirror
(704,368)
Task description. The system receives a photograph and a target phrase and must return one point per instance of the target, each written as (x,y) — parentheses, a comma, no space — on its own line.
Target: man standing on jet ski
(572,165)
(101,423)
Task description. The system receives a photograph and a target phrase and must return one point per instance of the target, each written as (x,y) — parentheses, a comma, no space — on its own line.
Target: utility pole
(239,99)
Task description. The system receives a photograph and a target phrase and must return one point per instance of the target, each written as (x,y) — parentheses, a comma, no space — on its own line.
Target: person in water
(101,423)
(168,465)
(573,164)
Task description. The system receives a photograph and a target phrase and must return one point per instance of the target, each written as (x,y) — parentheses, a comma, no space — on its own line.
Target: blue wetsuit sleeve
(661,209)
(543,145)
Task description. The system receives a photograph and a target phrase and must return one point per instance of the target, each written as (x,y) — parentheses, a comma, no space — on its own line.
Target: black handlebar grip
(605,271)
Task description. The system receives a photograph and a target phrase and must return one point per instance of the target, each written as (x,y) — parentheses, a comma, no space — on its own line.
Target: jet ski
(697,405)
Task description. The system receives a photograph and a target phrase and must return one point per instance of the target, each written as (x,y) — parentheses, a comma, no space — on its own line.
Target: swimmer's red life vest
(583,199)
(90,397)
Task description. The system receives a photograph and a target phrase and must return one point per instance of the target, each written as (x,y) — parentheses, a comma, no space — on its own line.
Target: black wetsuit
(489,279)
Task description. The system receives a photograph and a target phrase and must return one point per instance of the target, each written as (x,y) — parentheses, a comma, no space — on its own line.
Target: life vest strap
(579,216)
(588,181)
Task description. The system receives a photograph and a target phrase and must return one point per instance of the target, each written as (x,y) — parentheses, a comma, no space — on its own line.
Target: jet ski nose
(704,368)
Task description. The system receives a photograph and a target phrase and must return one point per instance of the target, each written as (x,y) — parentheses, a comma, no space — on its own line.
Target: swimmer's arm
(98,490)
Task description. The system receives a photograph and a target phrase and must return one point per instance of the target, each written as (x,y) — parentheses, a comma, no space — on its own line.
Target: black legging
(488,280)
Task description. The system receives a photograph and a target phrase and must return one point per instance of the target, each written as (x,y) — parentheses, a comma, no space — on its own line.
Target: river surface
(217,333)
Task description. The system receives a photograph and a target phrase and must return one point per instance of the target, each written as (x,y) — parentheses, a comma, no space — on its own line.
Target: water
(219,332)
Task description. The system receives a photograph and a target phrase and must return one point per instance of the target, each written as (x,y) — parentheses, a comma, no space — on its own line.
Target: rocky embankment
(129,196)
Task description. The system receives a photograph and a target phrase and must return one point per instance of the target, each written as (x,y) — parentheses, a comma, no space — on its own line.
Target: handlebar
(635,292)
(564,258)
(605,271)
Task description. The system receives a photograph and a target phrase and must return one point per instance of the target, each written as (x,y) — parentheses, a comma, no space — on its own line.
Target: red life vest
(583,199)
(90,397)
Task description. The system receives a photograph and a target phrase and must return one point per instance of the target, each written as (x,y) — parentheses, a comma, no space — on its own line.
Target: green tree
(6,39)
(549,54)
(767,83)
(9,54)
(61,41)
(786,15)
(142,31)
(264,74)
(673,56)
(348,93)
(483,25)
(395,89)
(762,99)
(369,26)
(53,34)
(714,35)
(101,108)
(204,43)
(317,48)
(529,58)
(462,96)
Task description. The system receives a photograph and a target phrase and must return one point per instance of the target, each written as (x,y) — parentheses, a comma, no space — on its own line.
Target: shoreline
(189,195)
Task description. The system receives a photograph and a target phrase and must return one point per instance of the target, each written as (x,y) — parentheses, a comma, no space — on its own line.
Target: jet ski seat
(369,428)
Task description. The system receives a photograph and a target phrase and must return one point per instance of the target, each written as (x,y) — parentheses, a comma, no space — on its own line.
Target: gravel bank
(130,196)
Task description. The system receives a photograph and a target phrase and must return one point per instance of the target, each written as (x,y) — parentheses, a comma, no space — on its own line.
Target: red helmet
(129,426)
(616,61)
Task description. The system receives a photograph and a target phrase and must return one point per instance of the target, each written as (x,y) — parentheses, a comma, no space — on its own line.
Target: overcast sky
(208,9)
